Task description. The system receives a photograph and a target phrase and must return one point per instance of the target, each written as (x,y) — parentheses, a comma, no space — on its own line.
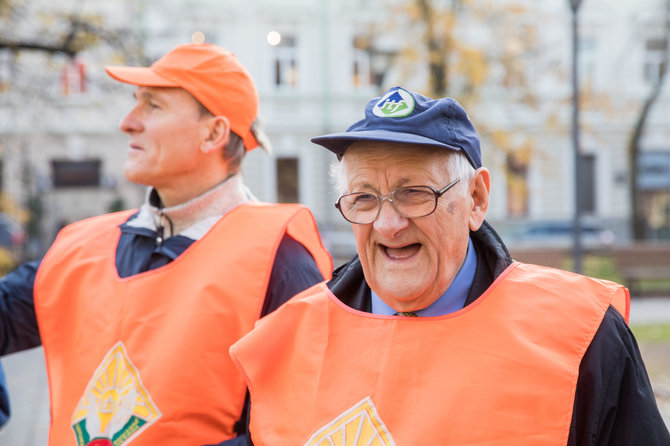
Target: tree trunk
(637,218)
(438,52)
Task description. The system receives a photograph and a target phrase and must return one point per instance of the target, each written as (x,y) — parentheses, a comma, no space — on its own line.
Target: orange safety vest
(501,371)
(145,358)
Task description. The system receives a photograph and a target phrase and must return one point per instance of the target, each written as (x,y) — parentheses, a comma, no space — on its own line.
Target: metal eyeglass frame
(388,197)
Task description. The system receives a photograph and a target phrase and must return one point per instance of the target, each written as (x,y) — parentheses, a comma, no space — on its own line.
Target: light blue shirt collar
(452,300)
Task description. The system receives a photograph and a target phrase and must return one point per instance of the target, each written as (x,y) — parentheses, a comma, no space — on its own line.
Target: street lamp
(577,253)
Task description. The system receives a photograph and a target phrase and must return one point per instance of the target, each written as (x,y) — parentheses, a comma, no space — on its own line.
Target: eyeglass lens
(409,202)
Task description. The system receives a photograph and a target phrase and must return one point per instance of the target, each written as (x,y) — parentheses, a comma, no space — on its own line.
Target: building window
(286,62)
(587,62)
(361,75)
(361,70)
(75,173)
(654,191)
(73,77)
(287,180)
(587,181)
(370,63)
(517,185)
(655,59)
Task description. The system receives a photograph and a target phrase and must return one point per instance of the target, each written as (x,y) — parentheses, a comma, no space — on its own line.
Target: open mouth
(402,252)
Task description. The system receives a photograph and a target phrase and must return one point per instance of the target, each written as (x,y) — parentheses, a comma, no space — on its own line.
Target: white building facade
(317,63)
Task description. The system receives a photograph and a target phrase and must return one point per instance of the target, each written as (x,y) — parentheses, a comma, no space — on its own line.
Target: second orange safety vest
(143,359)
(501,371)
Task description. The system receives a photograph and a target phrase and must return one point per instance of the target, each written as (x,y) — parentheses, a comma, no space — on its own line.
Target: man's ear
(217,134)
(480,188)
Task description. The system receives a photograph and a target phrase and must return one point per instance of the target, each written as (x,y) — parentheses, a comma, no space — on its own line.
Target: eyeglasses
(410,202)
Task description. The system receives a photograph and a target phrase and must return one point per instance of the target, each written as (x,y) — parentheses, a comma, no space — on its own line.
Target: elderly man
(136,310)
(433,335)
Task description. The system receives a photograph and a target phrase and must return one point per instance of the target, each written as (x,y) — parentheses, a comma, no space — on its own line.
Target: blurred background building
(316,64)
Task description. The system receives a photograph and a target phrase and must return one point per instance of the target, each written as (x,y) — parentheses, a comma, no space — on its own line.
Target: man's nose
(389,222)
(131,123)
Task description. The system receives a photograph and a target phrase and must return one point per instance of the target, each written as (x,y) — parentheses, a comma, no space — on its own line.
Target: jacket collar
(196,216)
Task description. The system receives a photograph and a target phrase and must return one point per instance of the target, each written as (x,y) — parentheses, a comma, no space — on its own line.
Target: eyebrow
(144,95)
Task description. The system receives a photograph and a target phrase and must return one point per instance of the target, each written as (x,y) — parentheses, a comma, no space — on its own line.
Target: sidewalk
(649,310)
(652,311)
(27,382)
(29,399)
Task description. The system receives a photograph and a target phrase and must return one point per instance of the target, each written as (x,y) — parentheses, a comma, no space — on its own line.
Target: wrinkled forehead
(382,154)
(380,165)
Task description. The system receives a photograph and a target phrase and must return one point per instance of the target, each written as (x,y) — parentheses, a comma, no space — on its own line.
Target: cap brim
(339,142)
(139,76)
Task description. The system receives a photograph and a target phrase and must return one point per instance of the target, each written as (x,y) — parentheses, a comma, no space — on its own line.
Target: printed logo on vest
(394,104)
(115,407)
(358,426)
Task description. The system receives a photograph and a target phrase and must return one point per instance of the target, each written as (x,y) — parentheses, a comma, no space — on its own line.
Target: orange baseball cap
(210,73)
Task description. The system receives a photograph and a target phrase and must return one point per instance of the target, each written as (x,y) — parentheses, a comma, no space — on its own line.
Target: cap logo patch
(394,104)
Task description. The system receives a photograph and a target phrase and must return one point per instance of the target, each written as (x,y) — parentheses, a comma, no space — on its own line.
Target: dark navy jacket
(294,270)
(4,398)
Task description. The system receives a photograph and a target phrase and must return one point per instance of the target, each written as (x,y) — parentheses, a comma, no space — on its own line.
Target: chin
(133,176)
(401,298)
(404,286)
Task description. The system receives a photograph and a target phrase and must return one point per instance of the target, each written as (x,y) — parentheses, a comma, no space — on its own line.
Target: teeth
(402,252)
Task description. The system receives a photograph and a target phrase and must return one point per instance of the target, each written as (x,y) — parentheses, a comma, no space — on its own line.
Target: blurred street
(26,377)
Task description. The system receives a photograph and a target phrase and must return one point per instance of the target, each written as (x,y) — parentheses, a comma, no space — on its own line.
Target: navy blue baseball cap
(408,117)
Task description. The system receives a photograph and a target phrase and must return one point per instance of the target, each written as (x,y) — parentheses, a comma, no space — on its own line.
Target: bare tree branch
(637,211)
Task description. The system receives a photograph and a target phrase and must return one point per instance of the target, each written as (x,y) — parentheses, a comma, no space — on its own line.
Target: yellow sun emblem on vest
(358,426)
(115,406)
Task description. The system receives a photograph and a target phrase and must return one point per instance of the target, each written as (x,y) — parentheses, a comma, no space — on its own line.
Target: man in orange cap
(136,310)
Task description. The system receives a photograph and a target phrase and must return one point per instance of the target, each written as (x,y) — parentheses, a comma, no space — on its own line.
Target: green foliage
(652,332)
(602,266)
(599,266)
(118,204)
(654,287)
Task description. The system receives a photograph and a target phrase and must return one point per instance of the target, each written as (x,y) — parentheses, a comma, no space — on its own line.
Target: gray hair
(234,151)
(261,137)
(458,166)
